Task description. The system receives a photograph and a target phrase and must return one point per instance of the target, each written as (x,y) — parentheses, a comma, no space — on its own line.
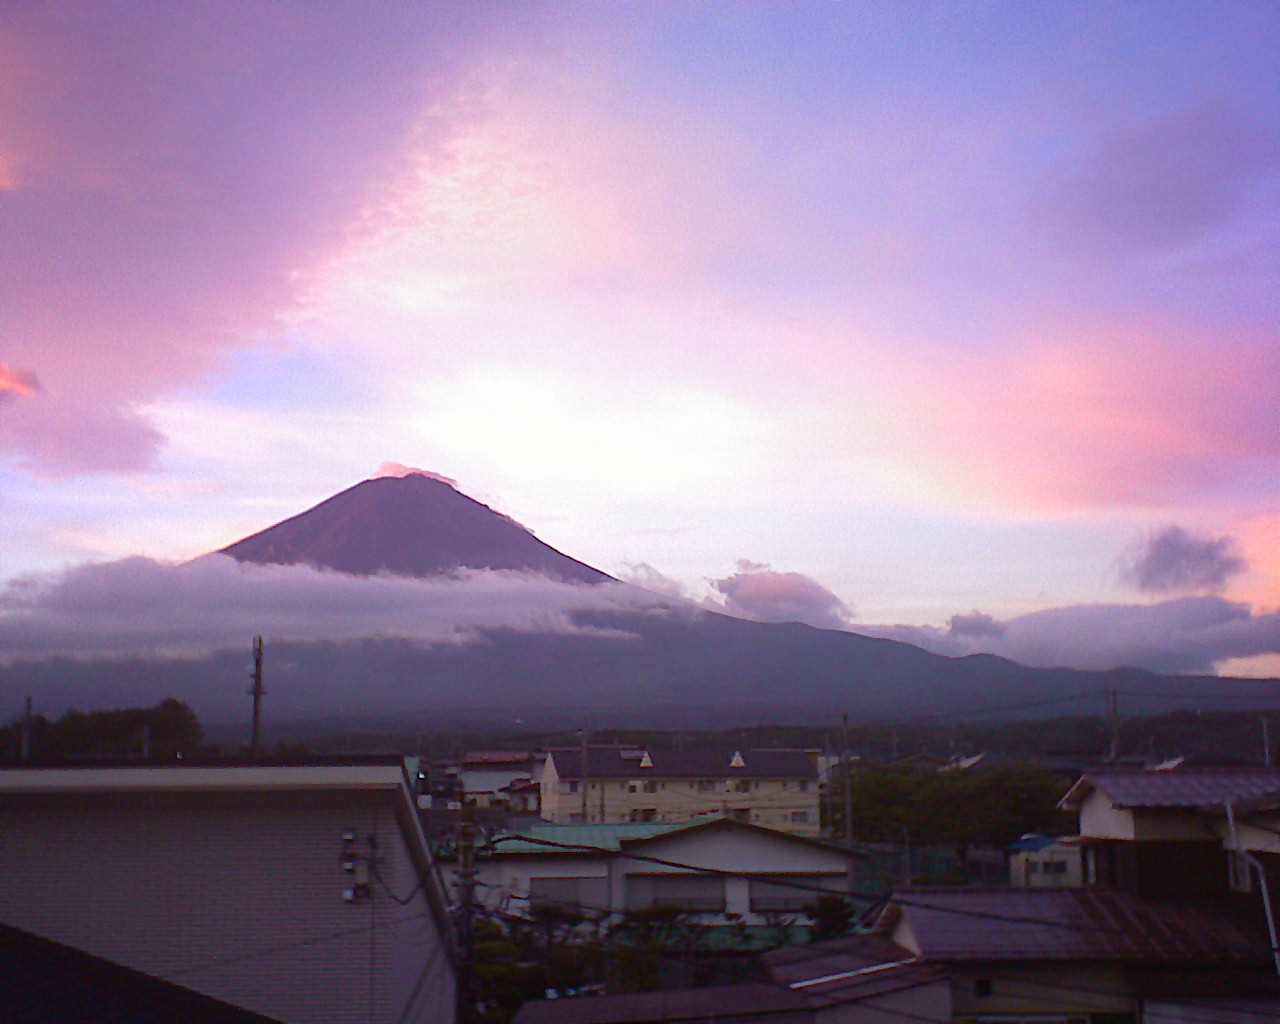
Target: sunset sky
(940,308)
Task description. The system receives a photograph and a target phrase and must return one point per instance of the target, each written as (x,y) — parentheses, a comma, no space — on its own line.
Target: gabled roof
(1181,787)
(950,925)
(614,838)
(620,763)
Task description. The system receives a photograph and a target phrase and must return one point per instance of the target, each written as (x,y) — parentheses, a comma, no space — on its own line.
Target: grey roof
(953,925)
(614,836)
(723,1004)
(610,763)
(1180,787)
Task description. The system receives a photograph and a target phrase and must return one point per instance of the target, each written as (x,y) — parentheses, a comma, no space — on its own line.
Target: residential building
(485,774)
(733,871)
(1047,862)
(1169,832)
(296,891)
(772,788)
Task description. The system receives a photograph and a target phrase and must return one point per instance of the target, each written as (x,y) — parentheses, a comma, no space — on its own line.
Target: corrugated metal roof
(1182,787)
(1075,924)
(609,763)
(608,837)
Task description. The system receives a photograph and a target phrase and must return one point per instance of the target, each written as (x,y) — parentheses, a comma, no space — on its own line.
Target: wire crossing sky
(954,323)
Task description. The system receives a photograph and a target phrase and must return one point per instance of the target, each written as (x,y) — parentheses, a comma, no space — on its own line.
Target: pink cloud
(398,470)
(15,383)
(147,231)
(1068,418)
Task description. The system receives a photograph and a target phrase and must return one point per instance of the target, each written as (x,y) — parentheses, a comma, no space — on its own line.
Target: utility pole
(467,879)
(848,782)
(585,775)
(1113,715)
(24,742)
(256,691)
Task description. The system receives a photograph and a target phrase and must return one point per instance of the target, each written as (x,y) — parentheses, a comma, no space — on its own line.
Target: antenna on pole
(256,691)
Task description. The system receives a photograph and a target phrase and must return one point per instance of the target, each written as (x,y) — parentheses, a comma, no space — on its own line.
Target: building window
(650,786)
(570,894)
(804,787)
(703,894)
(706,785)
(1055,867)
(800,817)
(644,814)
(742,786)
(742,814)
(792,893)
(573,787)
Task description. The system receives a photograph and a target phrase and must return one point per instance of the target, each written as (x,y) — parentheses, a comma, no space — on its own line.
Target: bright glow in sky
(944,306)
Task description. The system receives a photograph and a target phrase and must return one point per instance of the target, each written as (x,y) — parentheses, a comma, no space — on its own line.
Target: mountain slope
(413,526)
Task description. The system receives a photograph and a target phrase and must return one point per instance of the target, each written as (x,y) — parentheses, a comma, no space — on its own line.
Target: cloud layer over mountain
(1189,634)
(140,607)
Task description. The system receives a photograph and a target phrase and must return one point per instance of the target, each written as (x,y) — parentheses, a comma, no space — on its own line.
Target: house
(1169,832)
(1070,953)
(485,774)
(772,788)
(522,796)
(293,890)
(1046,862)
(718,868)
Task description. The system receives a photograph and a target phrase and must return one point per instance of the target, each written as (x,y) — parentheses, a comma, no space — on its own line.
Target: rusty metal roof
(1075,924)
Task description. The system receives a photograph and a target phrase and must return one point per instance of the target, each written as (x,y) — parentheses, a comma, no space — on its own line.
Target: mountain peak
(412,523)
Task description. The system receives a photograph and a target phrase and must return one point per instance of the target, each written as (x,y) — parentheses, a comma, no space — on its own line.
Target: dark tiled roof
(723,1004)
(1075,924)
(609,763)
(1180,787)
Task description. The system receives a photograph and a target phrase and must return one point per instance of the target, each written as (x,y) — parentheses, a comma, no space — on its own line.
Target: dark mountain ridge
(687,668)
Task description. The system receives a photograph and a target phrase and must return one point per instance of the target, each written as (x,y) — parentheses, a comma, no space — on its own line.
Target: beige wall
(1100,820)
(235,895)
(771,803)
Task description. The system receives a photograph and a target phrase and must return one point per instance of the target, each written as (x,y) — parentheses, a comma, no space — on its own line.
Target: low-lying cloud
(137,607)
(1173,560)
(757,592)
(1189,634)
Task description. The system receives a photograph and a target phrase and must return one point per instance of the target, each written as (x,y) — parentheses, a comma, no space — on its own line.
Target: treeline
(979,807)
(163,732)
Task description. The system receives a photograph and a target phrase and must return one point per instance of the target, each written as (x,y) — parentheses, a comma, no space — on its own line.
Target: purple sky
(931,308)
